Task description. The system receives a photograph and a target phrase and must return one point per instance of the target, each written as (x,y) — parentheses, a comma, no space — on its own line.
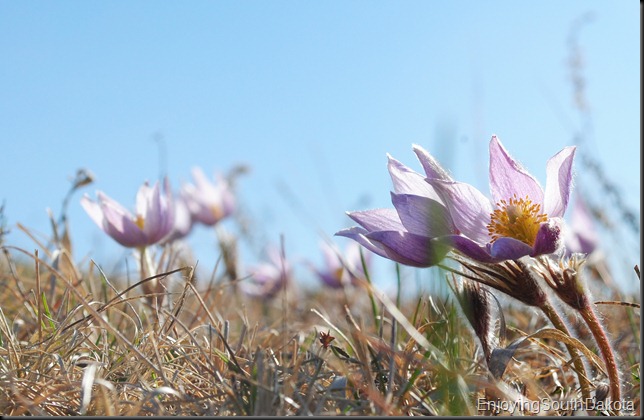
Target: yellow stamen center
(140,221)
(217,212)
(516,218)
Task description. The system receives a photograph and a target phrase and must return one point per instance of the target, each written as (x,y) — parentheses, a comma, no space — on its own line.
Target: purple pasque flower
(151,223)
(434,214)
(521,219)
(341,269)
(182,220)
(581,235)
(407,233)
(267,278)
(208,202)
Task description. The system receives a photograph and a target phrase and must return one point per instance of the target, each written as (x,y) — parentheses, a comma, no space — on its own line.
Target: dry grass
(74,341)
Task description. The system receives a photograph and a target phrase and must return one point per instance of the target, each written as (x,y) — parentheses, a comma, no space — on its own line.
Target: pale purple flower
(581,235)
(267,278)
(407,233)
(182,220)
(521,219)
(151,223)
(341,269)
(208,202)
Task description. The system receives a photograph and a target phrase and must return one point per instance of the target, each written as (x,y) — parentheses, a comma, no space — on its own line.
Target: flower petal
(148,205)
(330,279)
(410,249)
(468,247)
(509,178)
(582,234)
(549,237)
(358,234)
(407,181)
(506,248)
(120,226)
(377,219)
(423,215)
(559,182)
(166,212)
(143,199)
(432,168)
(94,211)
(469,208)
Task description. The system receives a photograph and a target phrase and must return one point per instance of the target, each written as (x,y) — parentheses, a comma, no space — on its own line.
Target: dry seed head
(564,277)
(511,277)
(475,303)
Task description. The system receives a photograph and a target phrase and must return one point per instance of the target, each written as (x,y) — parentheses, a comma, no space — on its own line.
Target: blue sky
(310,95)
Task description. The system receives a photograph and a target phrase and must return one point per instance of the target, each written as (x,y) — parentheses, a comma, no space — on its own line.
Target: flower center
(516,218)
(217,212)
(140,221)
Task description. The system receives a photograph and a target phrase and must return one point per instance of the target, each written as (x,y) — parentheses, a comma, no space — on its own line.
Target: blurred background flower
(341,269)
(267,278)
(208,202)
(152,222)
(581,235)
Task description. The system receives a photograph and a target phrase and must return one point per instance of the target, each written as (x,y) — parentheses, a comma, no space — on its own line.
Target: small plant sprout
(326,339)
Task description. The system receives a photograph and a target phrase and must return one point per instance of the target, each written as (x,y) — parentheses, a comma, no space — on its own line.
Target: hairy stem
(590,317)
(578,363)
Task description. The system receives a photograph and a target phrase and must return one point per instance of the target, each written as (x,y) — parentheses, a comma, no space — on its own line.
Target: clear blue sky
(310,95)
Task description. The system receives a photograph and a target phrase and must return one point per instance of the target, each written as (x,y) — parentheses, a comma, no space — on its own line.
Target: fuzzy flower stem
(146,271)
(553,316)
(590,317)
(566,280)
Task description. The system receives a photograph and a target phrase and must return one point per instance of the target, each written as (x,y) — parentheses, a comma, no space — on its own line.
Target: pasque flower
(182,220)
(208,202)
(435,214)
(152,221)
(341,269)
(522,219)
(582,236)
(267,278)
(407,233)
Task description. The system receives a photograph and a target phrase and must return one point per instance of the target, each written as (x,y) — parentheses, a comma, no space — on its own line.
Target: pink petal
(408,181)
(507,248)
(549,237)
(120,226)
(469,208)
(559,182)
(423,215)
(377,219)
(509,178)
(93,209)
(410,249)
(432,168)
(358,234)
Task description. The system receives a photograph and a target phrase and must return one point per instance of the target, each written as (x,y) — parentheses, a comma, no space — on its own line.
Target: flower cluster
(160,216)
